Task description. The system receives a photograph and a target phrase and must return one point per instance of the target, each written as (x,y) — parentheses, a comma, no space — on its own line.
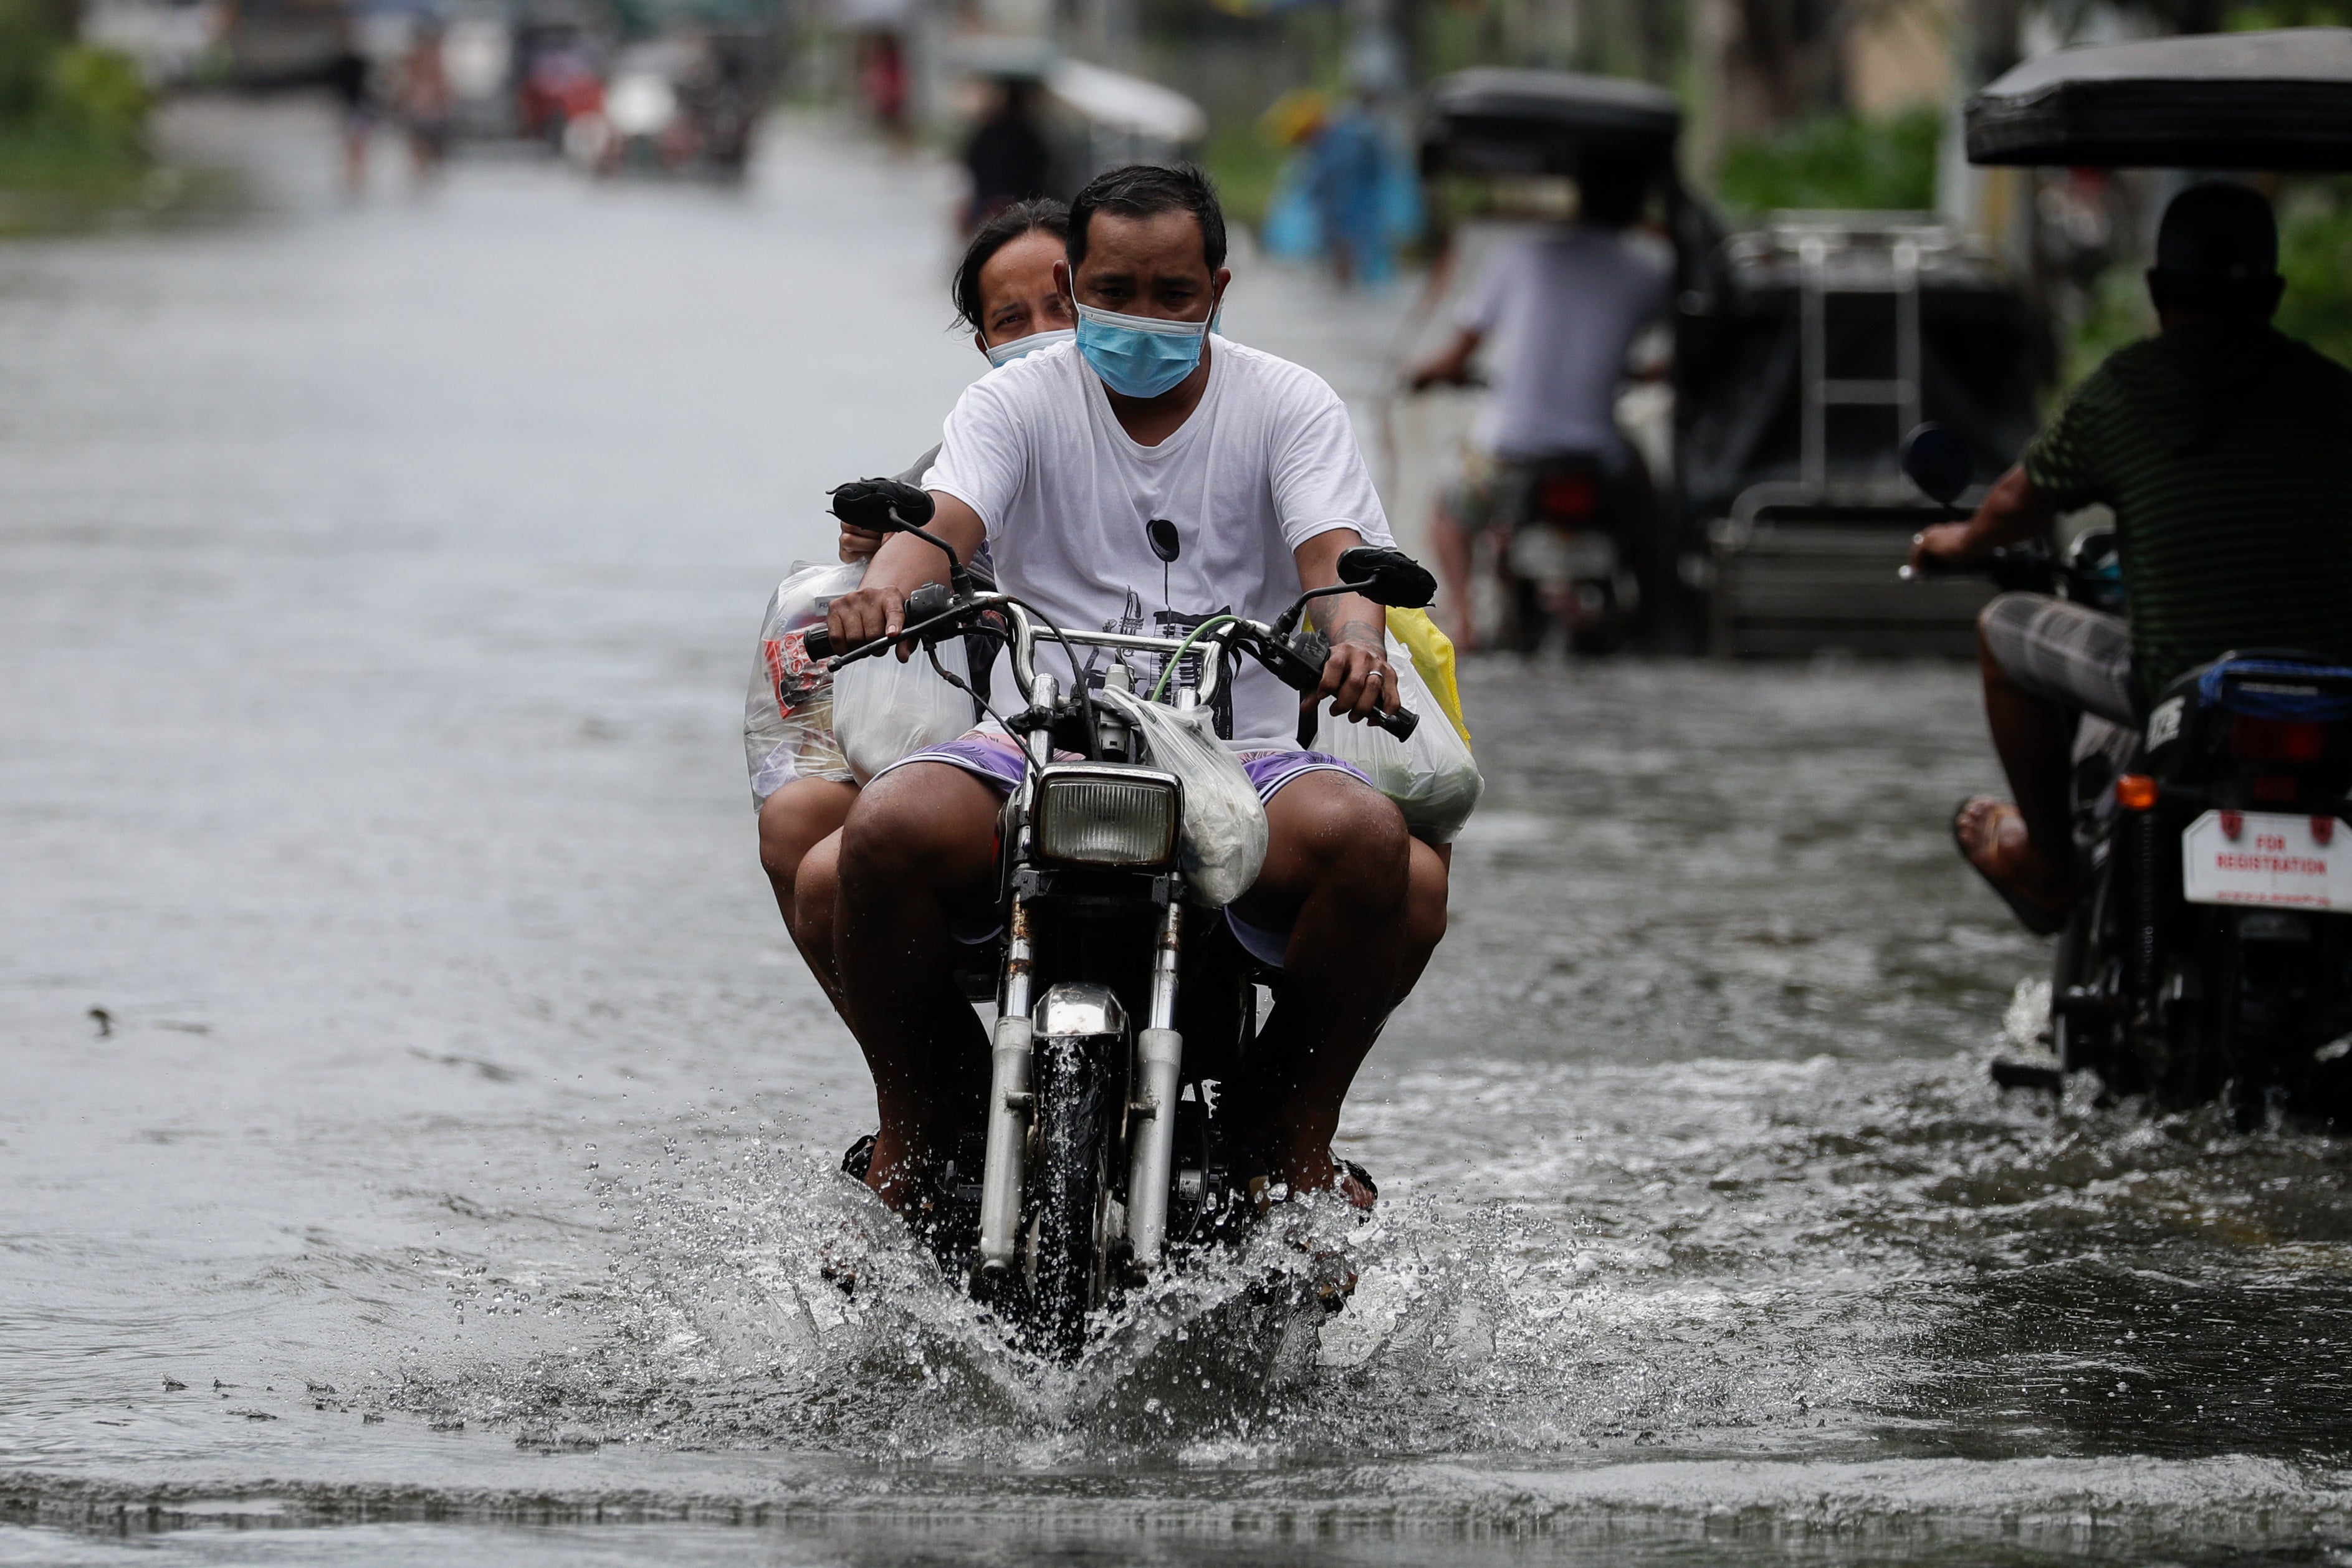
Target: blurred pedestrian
(1007,156)
(1347,177)
(424,100)
(351,76)
(882,80)
(1347,196)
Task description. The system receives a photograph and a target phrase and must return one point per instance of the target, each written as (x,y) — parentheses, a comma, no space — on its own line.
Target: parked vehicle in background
(561,84)
(684,94)
(1814,342)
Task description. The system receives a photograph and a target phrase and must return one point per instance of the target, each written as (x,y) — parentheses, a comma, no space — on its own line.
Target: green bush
(99,97)
(2316,256)
(29,41)
(1837,161)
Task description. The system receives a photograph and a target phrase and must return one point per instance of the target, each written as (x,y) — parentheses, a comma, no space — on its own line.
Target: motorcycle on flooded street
(1574,556)
(2209,955)
(1123,1002)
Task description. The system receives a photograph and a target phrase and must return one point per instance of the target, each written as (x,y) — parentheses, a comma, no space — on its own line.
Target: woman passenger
(1005,290)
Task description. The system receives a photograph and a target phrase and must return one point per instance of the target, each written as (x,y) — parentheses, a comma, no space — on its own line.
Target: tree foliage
(1837,161)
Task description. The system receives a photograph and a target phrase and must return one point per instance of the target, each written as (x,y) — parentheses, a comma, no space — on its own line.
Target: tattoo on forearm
(1360,631)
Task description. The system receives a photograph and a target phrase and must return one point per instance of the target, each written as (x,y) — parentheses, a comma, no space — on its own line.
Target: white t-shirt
(1266,462)
(1560,309)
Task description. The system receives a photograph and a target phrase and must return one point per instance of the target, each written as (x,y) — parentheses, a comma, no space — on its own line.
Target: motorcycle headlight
(1106,816)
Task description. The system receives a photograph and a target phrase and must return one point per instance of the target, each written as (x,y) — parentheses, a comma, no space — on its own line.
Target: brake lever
(819,638)
(1302,658)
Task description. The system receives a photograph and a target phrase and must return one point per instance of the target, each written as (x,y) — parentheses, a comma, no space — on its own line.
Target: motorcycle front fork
(1012,1100)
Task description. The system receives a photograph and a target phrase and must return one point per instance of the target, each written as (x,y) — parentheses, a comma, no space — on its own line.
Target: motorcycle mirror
(1161,534)
(885,506)
(882,505)
(1936,459)
(1387,576)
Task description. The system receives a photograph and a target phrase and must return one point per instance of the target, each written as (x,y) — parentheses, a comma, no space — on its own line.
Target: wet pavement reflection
(449,1178)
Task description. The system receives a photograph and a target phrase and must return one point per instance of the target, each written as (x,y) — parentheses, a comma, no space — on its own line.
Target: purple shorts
(996,760)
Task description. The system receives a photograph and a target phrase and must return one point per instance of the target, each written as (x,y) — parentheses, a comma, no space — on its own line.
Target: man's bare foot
(1318,1172)
(1992,838)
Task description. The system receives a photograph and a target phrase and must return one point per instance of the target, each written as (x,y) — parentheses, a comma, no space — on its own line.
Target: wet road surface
(449,1177)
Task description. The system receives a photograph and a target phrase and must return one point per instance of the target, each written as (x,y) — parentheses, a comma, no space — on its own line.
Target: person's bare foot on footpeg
(1991,836)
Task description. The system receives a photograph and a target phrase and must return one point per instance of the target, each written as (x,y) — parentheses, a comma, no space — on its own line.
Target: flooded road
(416,1134)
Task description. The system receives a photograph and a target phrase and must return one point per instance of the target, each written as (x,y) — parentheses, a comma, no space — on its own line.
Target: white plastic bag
(1224,825)
(788,712)
(884,710)
(1432,778)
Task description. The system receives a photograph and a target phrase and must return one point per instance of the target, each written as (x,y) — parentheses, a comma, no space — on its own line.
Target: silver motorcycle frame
(1158,1061)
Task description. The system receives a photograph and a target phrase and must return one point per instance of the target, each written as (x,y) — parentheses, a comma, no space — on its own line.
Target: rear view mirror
(1938,461)
(882,505)
(1387,576)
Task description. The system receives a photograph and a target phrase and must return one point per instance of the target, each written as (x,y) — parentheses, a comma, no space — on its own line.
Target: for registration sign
(2267,858)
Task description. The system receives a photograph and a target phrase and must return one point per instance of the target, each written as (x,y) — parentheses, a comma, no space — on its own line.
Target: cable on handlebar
(1168,670)
(1077,675)
(932,652)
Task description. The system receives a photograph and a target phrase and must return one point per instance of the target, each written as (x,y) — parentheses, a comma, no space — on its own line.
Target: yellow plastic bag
(1432,656)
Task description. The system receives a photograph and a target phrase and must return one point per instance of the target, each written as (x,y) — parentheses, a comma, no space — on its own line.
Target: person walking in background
(1347,179)
(1347,196)
(349,77)
(425,101)
(1006,156)
(882,80)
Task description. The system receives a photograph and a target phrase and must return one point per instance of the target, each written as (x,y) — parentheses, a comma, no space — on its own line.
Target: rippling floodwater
(451,1177)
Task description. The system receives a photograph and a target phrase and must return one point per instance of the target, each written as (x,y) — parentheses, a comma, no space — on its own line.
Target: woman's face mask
(1140,356)
(1012,349)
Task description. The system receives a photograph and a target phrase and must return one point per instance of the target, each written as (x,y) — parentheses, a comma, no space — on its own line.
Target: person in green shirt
(2224,449)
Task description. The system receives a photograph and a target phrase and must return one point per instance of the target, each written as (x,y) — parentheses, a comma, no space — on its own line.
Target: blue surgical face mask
(1004,353)
(1140,356)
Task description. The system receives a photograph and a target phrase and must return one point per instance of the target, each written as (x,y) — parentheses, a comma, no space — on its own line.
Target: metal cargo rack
(1829,335)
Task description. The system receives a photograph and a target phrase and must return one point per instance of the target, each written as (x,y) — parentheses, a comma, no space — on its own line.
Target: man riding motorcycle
(1563,306)
(2225,450)
(1066,465)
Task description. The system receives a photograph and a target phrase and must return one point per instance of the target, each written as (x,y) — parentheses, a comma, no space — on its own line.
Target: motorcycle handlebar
(1287,666)
(2011,568)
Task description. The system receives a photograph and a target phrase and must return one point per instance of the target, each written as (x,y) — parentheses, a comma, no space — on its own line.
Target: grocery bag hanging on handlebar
(1429,773)
(1223,827)
(788,711)
(884,708)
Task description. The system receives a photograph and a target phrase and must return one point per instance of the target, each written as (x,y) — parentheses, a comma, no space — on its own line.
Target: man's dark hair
(1039,214)
(1611,191)
(1147,190)
(2217,253)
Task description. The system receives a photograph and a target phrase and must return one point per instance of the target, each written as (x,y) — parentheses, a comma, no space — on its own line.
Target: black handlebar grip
(818,641)
(1400,724)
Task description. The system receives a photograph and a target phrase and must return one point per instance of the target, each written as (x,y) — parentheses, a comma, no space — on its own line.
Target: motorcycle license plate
(2267,858)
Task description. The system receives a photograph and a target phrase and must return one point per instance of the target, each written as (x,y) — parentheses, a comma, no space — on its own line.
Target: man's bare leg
(2031,848)
(1340,871)
(920,841)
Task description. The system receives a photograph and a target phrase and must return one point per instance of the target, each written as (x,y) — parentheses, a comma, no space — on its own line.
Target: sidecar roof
(1494,120)
(2270,100)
